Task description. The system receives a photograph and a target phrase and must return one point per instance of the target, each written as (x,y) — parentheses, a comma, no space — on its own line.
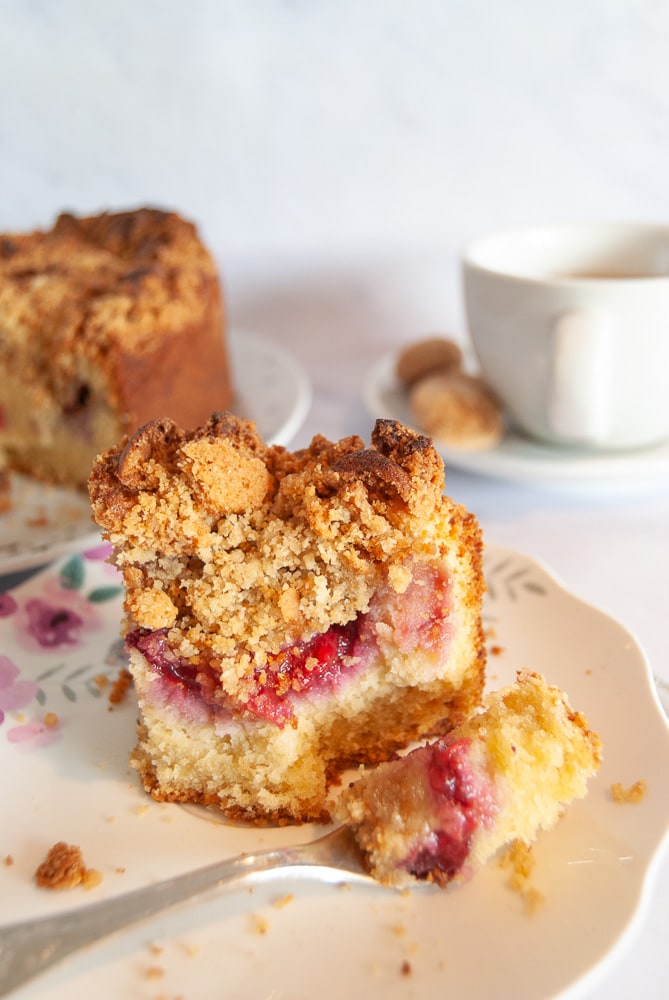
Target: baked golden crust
(106,322)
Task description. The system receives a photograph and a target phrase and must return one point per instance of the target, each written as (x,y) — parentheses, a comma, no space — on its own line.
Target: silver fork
(31,947)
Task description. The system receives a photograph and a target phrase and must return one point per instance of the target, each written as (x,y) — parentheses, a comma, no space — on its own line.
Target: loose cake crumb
(154,972)
(92,877)
(283,901)
(8,860)
(51,720)
(260,925)
(520,858)
(40,520)
(120,687)
(64,868)
(496,650)
(405,968)
(629,796)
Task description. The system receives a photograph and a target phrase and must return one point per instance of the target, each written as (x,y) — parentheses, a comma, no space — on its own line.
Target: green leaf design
(72,573)
(101,594)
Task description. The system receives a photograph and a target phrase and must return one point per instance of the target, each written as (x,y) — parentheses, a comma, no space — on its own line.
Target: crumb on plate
(628,796)
(120,687)
(64,868)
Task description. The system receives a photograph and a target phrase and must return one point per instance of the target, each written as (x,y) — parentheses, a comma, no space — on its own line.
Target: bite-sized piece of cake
(105,322)
(443,810)
(288,614)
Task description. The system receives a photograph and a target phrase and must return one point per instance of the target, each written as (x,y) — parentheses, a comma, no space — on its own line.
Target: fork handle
(31,947)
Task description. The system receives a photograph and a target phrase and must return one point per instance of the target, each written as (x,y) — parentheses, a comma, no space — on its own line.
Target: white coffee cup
(570,324)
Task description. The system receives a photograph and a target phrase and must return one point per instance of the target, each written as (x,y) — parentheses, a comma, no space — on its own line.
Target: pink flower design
(98,553)
(14,692)
(57,618)
(34,734)
(52,625)
(7,605)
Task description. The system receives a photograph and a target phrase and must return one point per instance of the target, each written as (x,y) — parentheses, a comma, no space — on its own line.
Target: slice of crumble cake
(288,614)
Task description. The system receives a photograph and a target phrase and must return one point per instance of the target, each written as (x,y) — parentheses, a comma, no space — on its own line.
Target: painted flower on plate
(34,734)
(15,692)
(55,618)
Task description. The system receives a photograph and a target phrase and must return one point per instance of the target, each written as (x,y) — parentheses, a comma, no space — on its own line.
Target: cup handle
(578,404)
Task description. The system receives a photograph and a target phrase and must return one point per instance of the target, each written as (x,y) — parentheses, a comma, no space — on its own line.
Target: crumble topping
(221,537)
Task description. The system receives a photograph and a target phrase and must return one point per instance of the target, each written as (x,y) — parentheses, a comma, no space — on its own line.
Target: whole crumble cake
(105,322)
(443,810)
(288,614)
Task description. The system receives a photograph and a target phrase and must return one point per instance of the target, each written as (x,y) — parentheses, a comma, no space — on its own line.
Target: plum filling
(313,665)
(464,800)
(317,665)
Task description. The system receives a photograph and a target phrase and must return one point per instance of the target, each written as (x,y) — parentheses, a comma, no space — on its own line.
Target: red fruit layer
(419,618)
(464,800)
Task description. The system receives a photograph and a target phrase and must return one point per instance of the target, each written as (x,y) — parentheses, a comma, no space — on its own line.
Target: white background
(337,156)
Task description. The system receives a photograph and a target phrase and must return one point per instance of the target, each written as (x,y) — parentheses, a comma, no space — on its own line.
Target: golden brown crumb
(629,796)
(101,680)
(496,650)
(154,972)
(260,925)
(283,901)
(39,521)
(92,877)
(405,968)
(63,867)
(8,860)
(120,687)
(51,720)
(520,858)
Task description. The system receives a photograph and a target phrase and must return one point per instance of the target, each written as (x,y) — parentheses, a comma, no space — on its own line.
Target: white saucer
(517,457)
(45,522)
(271,388)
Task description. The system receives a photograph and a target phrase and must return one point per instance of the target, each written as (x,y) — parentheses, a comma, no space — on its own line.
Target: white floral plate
(64,776)
(48,521)
(517,457)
